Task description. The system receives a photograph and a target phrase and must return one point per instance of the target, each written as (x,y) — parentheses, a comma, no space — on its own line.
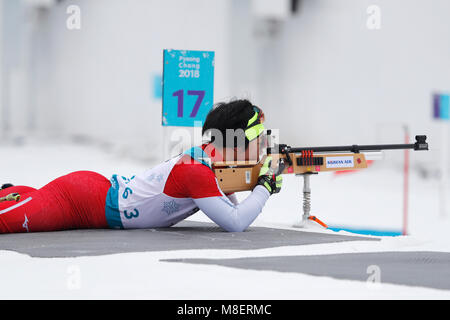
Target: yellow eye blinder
(253,132)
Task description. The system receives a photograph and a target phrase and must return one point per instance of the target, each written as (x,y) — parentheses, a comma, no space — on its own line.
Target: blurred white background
(325,72)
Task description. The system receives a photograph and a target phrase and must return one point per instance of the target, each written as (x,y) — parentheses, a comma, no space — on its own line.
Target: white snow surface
(368,199)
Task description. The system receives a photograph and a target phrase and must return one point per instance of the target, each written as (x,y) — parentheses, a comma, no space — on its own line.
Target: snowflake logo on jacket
(170,207)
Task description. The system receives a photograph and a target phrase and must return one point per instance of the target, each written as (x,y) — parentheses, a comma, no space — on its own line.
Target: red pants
(73,201)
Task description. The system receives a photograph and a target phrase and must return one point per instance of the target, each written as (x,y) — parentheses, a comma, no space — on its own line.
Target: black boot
(6,185)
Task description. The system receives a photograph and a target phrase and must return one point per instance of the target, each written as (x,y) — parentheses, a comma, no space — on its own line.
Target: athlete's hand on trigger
(268,178)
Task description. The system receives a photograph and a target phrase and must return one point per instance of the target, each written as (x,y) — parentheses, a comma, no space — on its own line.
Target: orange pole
(315,219)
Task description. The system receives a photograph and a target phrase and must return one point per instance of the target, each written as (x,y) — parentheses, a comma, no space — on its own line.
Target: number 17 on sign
(188,80)
(180,95)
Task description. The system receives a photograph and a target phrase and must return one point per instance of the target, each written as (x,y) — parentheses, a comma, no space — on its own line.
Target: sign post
(188,85)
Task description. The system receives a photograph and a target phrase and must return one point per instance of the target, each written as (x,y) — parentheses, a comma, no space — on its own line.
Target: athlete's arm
(233,198)
(205,192)
(237,217)
(232,217)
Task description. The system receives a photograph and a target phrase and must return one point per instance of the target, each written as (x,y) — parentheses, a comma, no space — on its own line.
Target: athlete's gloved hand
(269,178)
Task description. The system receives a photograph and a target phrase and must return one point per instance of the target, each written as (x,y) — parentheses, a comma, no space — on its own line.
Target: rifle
(235,176)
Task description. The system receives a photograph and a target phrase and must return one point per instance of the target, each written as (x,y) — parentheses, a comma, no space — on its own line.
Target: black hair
(229,117)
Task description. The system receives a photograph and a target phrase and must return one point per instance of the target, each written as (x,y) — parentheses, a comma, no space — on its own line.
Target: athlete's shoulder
(192,177)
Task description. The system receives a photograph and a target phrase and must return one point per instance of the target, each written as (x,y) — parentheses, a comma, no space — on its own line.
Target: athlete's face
(255,150)
(257,147)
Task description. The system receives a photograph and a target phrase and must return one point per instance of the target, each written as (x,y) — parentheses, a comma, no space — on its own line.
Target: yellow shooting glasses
(253,131)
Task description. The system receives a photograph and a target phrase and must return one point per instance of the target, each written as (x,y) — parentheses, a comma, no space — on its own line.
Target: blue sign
(157,86)
(188,83)
(441,106)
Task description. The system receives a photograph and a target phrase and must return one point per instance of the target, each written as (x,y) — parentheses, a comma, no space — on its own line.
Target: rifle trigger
(281,166)
(285,150)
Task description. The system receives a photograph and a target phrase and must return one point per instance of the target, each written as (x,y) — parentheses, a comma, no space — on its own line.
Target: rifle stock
(238,176)
(242,176)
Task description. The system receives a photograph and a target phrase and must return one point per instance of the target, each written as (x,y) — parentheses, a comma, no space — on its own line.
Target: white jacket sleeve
(232,217)
(233,198)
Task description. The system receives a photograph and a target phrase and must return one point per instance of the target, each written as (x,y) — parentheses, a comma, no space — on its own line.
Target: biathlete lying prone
(159,197)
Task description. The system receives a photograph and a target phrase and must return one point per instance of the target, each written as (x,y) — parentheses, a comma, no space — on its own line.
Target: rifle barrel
(355,148)
(420,144)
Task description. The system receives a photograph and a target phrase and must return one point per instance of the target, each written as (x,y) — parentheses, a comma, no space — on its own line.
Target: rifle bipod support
(307,202)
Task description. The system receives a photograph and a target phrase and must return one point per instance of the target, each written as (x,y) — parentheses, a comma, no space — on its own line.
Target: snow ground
(361,200)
